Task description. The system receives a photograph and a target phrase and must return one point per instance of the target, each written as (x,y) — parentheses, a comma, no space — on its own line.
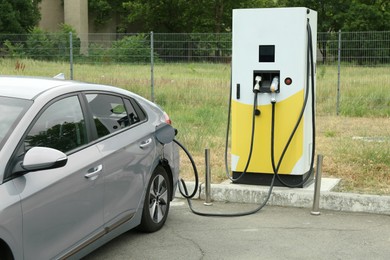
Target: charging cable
(182,186)
(310,68)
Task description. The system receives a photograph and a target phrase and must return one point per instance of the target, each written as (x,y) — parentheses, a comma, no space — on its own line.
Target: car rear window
(112,113)
(11,110)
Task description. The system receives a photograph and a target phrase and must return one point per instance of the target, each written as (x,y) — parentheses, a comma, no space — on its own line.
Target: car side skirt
(98,236)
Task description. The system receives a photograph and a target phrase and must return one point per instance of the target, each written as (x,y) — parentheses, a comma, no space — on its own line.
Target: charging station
(272,119)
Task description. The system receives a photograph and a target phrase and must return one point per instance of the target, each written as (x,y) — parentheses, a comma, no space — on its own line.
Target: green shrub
(97,53)
(42,45)
(13,50)
(39,45)
(62,42)
(134,49)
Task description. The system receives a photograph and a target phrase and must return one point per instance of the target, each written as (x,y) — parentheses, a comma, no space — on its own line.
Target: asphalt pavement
(275,232)
(349,226)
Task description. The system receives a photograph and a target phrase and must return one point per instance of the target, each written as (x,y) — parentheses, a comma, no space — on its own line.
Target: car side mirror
(43,158)
(165,133)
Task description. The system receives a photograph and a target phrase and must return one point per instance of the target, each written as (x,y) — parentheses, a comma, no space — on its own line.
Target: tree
(186,16)
(179,16)
(157,15)
(367,15)
(328,11)
(104,10)
(347,15)
(18,16)
(174,16)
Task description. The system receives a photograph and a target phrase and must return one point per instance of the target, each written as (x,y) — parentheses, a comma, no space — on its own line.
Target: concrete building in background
(75,13)
(52,15)
(71,12)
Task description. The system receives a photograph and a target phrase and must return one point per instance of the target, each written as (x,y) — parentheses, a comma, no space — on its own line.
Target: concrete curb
(298,197)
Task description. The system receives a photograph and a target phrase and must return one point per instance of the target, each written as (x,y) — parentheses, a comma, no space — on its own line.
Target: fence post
(338,75)
(71,54)
(208,178)
(152,64)
(317,188)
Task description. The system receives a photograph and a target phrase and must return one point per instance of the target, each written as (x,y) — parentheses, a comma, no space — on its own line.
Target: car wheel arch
(168,170)
(5,251)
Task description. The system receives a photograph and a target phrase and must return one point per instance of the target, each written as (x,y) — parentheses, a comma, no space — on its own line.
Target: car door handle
(94,172)
(145,143)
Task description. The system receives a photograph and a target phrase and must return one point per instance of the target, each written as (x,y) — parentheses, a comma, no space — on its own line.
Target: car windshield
(11,109)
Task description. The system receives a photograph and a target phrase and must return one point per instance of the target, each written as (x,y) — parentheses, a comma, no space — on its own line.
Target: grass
(357,151)
(196,98)
(364,91)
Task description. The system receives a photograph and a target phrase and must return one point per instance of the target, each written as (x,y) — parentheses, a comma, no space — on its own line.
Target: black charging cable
(184,192)
(310,68)
(183,187)
(251,142)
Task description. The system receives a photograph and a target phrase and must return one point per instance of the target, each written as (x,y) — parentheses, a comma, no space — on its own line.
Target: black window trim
(94,134)
(138,109)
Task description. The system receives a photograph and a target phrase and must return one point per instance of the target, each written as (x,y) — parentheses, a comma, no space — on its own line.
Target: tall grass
(370,162)
(364,91)
(196,98)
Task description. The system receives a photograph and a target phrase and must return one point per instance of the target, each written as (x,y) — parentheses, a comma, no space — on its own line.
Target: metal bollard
(208,178)
(317,188)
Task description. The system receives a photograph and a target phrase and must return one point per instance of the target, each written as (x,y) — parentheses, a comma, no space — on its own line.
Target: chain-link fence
(357,48)
(362,60)
(345,60)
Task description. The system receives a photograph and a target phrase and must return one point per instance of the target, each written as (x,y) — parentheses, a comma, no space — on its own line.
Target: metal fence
(358,48)
(337,49)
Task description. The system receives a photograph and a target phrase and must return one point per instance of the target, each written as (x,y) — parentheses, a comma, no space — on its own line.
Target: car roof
(28,87)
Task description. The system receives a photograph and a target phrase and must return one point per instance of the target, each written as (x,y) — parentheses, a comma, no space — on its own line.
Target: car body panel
(61,206)
(11,218)
(126,166)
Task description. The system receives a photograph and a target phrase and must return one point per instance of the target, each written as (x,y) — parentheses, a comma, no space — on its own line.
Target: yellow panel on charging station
(242,127)
(267,44)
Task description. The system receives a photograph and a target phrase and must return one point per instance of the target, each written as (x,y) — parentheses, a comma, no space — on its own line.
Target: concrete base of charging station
(295,197)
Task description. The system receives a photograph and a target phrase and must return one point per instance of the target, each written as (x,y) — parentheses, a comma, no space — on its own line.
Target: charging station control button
(287,81)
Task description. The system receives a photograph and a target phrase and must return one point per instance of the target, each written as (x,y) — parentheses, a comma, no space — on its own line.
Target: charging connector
(262,80)
(256,88)
(274,85)
(274,88)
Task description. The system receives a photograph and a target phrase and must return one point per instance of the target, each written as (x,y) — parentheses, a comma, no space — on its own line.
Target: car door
(62,208)
(128,150)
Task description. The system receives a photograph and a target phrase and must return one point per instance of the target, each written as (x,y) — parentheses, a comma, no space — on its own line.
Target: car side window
(109,113)
(61,126)
(133,115)
(132,105)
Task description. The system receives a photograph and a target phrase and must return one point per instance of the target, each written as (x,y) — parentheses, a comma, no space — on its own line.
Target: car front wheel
(156,205)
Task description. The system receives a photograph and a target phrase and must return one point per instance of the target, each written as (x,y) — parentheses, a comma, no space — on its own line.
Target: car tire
(157,201)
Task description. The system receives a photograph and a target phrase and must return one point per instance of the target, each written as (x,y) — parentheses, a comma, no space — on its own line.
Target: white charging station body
(272,43)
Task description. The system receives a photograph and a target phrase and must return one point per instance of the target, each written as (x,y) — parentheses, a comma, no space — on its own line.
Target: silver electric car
(79,165)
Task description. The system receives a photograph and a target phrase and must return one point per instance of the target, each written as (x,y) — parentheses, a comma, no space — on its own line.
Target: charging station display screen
(267,53)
